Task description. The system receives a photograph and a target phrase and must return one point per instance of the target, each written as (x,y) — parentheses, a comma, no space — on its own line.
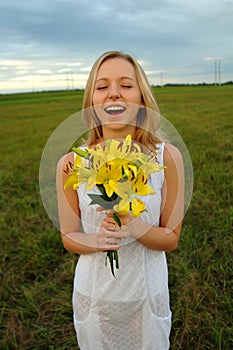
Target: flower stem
(112,256)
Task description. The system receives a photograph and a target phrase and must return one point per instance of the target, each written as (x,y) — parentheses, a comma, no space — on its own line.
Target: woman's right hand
(109,239)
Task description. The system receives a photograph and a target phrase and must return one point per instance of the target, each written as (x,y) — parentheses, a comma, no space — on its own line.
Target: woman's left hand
(110,224)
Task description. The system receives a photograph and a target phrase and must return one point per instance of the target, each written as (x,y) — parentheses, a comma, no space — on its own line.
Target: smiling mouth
(114,110)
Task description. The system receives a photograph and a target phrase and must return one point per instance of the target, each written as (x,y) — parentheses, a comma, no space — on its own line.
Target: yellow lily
(137,186)
(123,207)
(118,149)
(80,176)
(98,156)
(112,149)
(151,167)
(140,185)
(137,206)
(78,161)
(71,181)
(88,176)
(108,175)
(130,169)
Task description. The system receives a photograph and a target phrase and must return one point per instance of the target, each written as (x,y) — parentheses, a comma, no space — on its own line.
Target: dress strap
(160,152)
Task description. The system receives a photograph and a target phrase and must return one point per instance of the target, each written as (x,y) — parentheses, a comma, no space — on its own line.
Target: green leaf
(102,189)
(111,262)
(104,194)
(98,199)
(82,153)
(116,258)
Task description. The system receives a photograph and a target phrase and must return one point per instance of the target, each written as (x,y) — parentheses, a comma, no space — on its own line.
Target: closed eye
(101,87)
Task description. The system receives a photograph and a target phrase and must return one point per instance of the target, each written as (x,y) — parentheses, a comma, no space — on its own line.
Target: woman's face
(117,97)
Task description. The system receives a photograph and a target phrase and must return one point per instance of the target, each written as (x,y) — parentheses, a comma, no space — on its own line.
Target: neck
(115,133)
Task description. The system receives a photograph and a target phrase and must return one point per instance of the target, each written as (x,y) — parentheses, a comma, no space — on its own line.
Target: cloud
(68,64)
(43,71)
(213,58)
(86,69)
(9,63)
(68,35)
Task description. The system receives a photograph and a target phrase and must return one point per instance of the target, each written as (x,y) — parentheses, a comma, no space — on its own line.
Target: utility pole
(72,80)
(219,72)
(161,79)
(67,81)
(215,72)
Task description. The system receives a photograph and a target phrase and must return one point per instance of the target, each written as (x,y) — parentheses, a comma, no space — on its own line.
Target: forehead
(116,66)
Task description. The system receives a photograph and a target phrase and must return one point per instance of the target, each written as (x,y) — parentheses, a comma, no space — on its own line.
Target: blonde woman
(130,311)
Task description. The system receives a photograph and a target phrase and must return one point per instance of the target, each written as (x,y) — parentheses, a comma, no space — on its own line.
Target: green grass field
(37,273)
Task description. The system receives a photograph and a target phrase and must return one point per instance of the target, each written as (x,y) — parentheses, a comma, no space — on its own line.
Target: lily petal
(138,206)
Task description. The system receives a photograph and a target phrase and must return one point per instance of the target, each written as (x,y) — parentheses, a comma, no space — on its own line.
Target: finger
(111,234)
(110,224)
(108,243)
(107,237)
(100,209)
(112,241)
(109,212)
(122,232)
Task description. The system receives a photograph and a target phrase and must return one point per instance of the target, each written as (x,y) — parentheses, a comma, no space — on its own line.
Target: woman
(132,310)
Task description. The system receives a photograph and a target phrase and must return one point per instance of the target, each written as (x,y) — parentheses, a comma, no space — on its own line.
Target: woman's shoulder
(65,160)
(172,154)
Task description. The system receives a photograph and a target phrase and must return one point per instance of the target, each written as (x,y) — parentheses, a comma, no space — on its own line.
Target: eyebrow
(121,78)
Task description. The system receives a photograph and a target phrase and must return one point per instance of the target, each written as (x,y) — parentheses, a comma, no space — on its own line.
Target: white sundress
(130,311)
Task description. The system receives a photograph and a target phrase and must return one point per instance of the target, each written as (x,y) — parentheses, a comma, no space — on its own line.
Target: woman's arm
(69,216)
(166,236)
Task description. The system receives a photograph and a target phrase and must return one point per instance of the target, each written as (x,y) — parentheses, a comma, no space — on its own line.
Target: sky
(52,44)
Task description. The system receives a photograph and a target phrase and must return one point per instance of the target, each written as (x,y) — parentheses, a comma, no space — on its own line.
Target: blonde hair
(148,120)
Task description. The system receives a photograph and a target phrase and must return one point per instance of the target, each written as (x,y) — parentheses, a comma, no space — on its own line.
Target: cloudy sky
(51,44)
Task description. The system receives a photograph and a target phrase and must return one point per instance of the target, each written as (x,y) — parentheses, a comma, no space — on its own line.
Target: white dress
(131,311)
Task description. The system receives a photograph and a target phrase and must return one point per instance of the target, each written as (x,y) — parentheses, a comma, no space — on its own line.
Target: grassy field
(37,273)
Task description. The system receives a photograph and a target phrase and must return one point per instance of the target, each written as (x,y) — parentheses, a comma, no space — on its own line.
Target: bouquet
(119,169)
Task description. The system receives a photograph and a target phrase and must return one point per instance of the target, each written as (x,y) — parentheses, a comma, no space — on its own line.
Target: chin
(120,123)
(116,126)
(120,129)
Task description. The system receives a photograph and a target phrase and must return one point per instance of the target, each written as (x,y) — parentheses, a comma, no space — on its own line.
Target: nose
(114,92)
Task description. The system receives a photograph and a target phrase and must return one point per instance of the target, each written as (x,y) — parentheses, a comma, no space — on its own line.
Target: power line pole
(215,72)
(72,80)
(161,79)
(67,81)
(219,72)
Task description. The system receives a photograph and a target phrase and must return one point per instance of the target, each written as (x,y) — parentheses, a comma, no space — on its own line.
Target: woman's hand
(110,234)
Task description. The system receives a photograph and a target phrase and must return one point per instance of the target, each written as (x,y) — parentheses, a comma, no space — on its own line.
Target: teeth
(115,108)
